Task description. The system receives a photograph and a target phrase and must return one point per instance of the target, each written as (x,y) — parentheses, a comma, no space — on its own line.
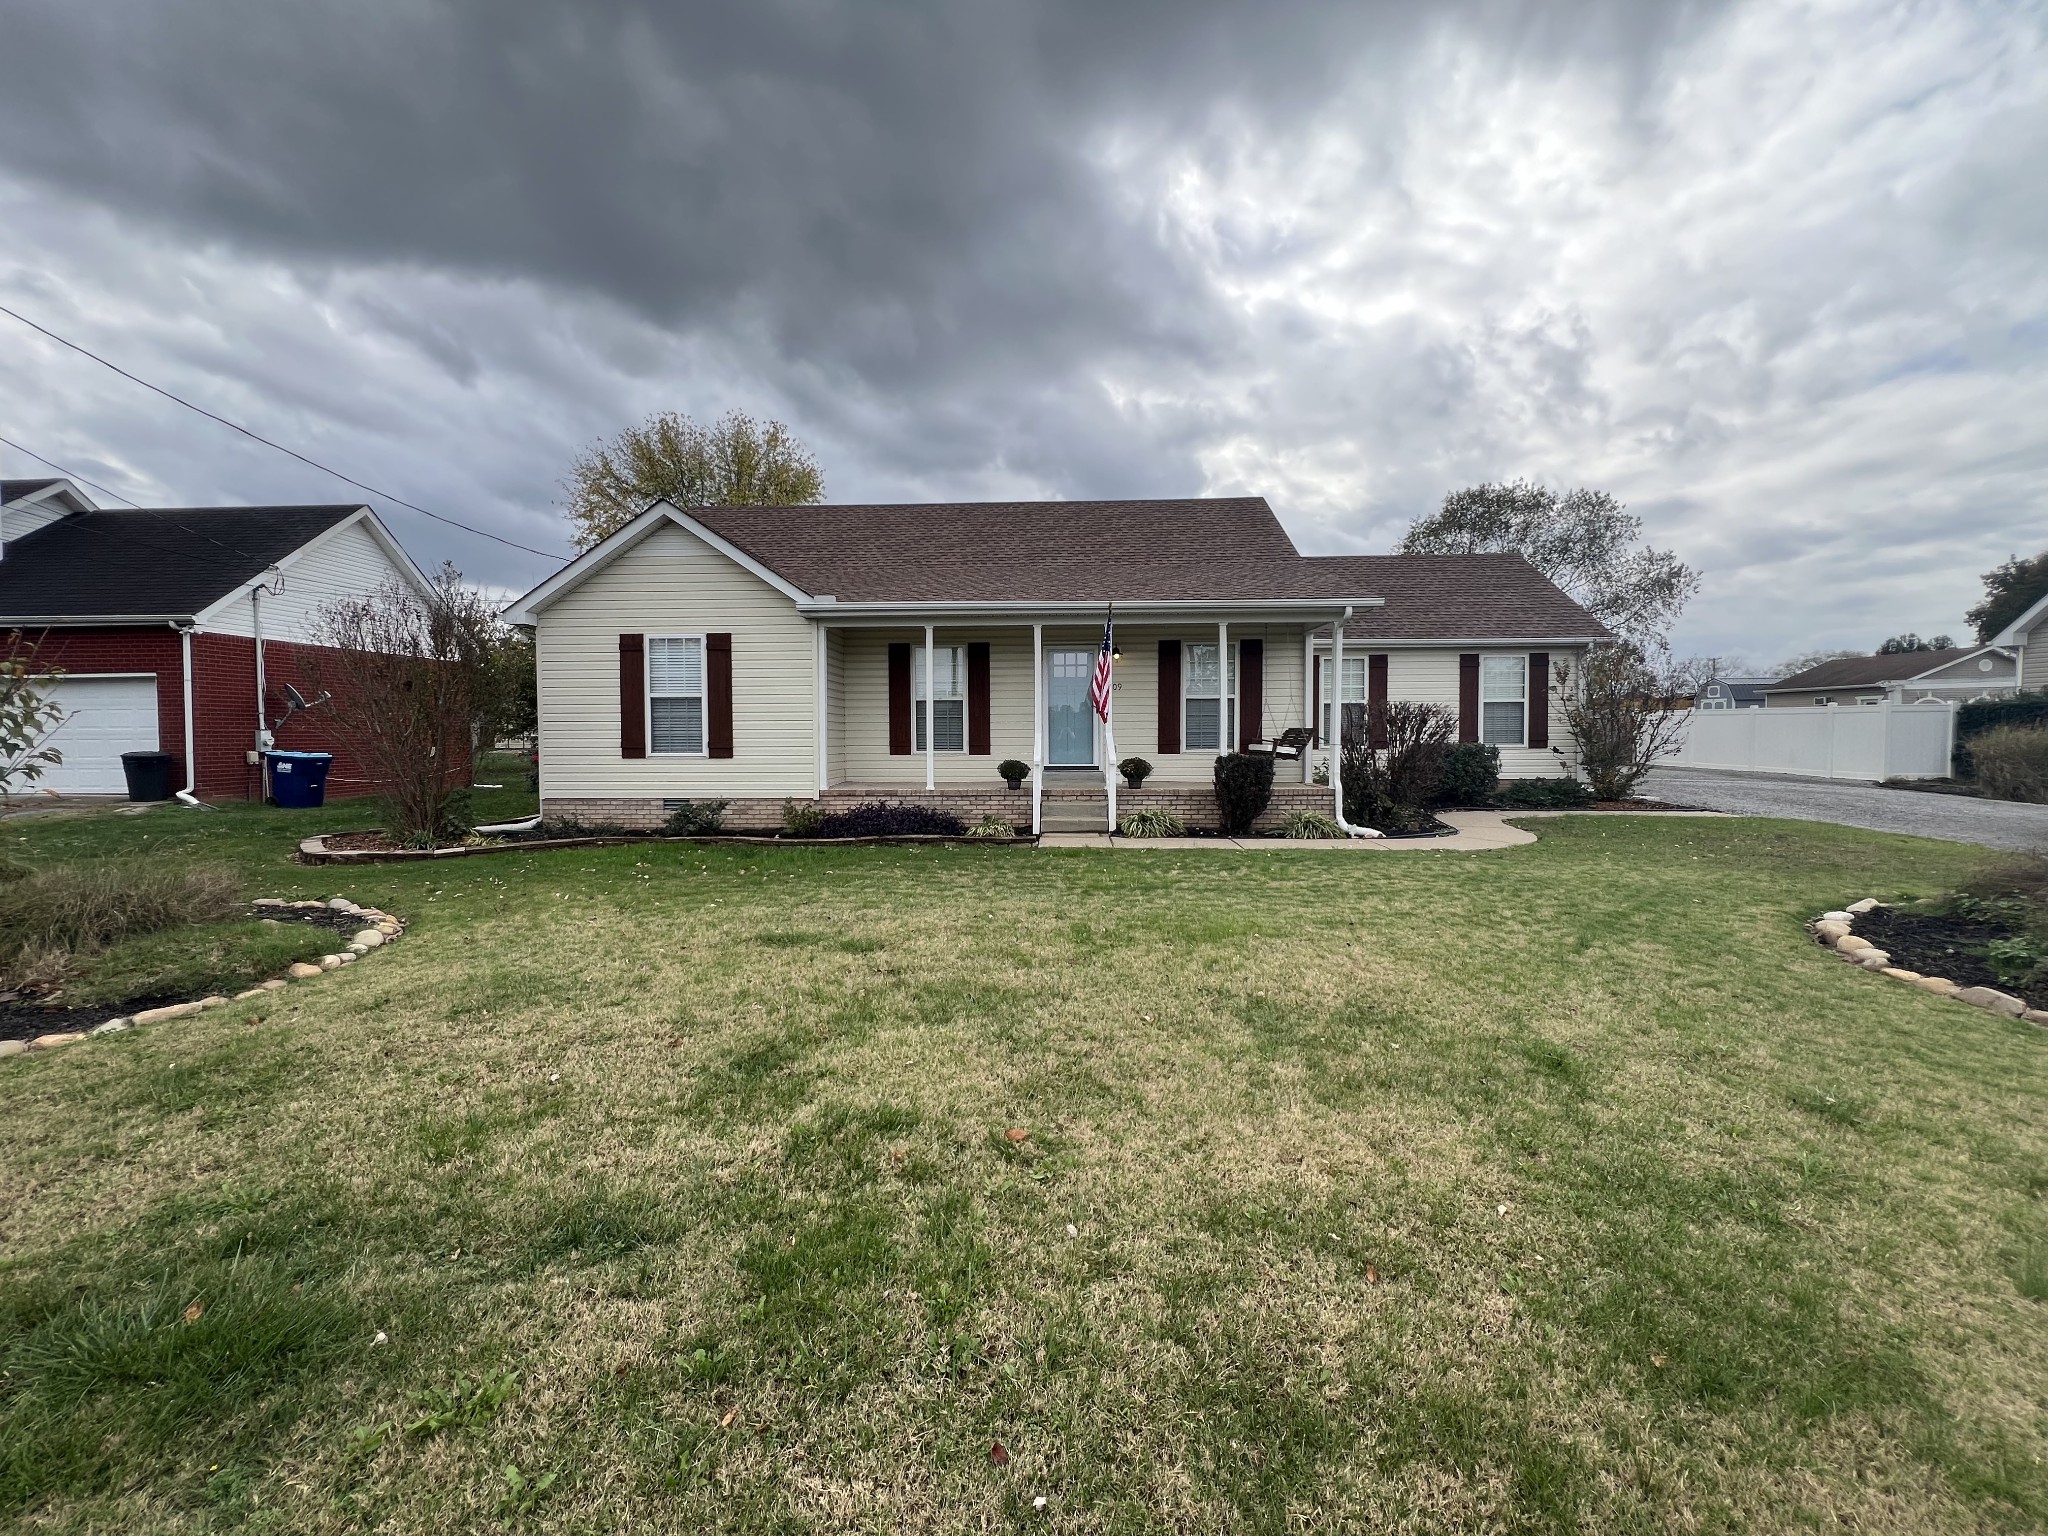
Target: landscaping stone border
(379,928)
(1836,931)
(314,850)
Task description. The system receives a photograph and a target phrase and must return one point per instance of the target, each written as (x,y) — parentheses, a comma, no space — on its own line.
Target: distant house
(178,628)
(1905,677)
(1732,693)
(2016,638)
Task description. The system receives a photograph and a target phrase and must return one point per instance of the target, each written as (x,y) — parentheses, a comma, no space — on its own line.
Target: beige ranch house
(759,655)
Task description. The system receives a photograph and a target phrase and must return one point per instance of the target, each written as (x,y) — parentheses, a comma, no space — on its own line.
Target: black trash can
(148,773)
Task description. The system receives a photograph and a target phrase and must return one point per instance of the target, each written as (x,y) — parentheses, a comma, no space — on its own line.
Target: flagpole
(1109,720)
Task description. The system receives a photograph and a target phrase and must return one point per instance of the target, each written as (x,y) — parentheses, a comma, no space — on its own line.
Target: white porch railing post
(1337,719)
(1308,706)
(1037,726)
(931,734)
(824,655)
(1223,694)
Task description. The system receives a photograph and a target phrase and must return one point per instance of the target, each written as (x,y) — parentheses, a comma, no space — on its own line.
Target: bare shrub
(403,681)
(77,908)
(1391,787)
(1624,714)
(2011,763)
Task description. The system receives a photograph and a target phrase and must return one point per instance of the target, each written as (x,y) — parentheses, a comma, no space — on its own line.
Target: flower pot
(1014,783)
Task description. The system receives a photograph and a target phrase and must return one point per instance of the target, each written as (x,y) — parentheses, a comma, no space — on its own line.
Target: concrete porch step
(1065,815)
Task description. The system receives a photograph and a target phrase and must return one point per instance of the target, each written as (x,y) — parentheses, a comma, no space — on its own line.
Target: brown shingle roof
(1022,551)
(1449,597)
(1214,548)
(1870,671)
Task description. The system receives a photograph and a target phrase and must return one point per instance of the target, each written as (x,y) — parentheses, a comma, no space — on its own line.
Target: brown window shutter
(1251,691)
(1376,699)
(632,696)
(899,699)
(1468,696)
(1169,697)
(1315,699)
(1539,698)
(718,695)
(977,698)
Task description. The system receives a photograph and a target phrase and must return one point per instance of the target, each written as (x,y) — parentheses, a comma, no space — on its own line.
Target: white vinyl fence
(1828,741)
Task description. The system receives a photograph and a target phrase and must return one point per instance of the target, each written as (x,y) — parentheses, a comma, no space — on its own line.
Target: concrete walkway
(1478,832)
(1952,818)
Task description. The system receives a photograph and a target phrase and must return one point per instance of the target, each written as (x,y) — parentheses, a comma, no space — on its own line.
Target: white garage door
(104,717)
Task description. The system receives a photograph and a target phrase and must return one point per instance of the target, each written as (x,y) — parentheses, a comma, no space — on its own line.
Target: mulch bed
(1936,944)
(25,1017)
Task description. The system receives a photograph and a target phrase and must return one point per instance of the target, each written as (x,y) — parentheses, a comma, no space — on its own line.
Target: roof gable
(1873,671)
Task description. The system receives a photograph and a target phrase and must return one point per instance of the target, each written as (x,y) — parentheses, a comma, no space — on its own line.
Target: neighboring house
(838,653)
(1905,677)
(1732,693)
(163,621)
(2015,637)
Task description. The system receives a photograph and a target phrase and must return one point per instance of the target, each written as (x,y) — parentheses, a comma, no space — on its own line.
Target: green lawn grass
(1560,1188)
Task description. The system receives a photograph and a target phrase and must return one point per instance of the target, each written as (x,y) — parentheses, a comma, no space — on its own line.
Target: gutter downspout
(1337,735)
(186,796)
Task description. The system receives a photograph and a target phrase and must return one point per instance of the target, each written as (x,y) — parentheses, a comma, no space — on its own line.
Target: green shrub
(76,908)
(695,818)
(1011,771)
(995,828)
(1560,794)
(1471,774)
(1308,824)
(1244,788)
(2011,762)
(1153,821)
(802,818)
(1135,771)
(458,815)
(1975,718)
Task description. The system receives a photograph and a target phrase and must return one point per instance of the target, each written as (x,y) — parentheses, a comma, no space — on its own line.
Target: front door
(1069,715)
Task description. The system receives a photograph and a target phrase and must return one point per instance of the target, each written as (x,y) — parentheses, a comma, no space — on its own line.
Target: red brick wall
(223,701)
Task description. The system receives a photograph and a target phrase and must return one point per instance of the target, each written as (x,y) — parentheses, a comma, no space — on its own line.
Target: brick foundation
(1195,804)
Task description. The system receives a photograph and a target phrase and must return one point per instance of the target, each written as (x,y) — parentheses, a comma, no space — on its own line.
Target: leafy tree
(1900,645)
(1584,540)
(28,715)
(734,461)
(2009,591)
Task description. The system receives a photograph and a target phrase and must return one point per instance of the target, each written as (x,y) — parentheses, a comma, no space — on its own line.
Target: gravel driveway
(1952,818)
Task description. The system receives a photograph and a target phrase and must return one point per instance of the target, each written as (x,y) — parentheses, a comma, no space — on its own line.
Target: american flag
(1099,689)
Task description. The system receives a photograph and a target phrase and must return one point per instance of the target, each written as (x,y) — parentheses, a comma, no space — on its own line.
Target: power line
(69,474)
(259,437)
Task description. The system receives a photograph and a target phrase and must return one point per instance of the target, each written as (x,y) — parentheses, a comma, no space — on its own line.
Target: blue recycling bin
(298,779)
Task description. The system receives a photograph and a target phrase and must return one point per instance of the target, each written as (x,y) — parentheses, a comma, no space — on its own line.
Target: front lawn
(753,1189)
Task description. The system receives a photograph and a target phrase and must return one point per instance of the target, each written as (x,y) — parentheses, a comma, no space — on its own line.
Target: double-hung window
(1209,700)
(1504,701)
(949,697)
(1354,690)
(675,694)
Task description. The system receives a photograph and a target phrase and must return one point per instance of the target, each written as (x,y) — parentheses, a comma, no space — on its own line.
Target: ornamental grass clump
(75,909)
(1153,821)
(2011,763)
(1303,826)
(994,828)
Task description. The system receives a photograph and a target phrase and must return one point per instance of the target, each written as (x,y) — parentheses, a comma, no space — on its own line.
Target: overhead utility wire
(266,442)
(69,474)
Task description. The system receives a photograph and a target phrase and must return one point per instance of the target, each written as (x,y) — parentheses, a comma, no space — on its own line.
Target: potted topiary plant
(1014,773)
(1135,771)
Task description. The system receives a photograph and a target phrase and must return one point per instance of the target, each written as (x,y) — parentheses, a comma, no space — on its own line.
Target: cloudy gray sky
(1771,272)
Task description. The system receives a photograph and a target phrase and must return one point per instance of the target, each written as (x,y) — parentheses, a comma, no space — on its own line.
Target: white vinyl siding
(675,695)
(948,697)
(1428,675)
(860,707)
(344,562)
(672,581)
(1504,701)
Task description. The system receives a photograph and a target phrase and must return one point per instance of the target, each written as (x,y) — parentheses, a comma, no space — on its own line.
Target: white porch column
(824,655)
(1337,718)
(1037,725)
(930,735)
(1223,731)
(1308,703)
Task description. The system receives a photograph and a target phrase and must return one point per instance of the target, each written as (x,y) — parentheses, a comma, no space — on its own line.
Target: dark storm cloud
(1768,270)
